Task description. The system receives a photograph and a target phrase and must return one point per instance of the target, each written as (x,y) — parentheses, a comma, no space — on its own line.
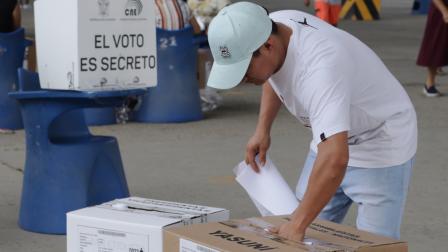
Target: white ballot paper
(267,189)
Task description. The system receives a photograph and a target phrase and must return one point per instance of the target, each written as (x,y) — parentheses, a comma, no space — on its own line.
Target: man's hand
(289,231)
(258,144)
(440,5)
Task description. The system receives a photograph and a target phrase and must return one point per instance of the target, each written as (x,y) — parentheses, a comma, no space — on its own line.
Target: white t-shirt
(332,82)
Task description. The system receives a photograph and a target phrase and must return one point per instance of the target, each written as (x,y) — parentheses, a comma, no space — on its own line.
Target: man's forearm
(325,179)
(269,107)
(322,185)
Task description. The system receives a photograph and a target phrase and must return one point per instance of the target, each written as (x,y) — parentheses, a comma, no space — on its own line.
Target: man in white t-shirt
(363,122)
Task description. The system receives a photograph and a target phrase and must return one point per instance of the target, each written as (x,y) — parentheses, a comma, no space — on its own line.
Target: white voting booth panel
(132,224)
(96,44)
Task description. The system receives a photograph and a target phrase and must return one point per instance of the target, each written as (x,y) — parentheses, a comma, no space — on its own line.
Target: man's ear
(269,43)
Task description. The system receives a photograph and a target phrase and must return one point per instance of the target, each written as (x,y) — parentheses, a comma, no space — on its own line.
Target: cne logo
(133,8)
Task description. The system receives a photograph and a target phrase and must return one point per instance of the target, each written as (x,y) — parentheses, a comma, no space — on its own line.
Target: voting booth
(66,166)
(91,54)
(96,45)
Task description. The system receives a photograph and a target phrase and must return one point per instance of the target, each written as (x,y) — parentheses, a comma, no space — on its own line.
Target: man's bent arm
(326,177)
(259,143)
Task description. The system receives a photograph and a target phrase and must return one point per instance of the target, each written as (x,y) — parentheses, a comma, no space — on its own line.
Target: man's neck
(284,32)
(284,35)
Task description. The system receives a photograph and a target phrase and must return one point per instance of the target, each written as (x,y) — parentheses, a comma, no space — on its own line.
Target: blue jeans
(380,194)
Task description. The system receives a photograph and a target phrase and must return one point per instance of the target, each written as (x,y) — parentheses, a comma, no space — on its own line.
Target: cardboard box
(205,63)
(132,224)
(96,45)
(250,235)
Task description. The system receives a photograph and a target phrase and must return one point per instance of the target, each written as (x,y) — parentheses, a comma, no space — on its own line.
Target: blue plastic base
(62,182)
(100,116)
(176,97)
(10,117)
(12,50)
(66,167)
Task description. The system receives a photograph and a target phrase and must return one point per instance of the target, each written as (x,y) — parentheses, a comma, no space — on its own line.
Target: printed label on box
(189,246)
(93,239)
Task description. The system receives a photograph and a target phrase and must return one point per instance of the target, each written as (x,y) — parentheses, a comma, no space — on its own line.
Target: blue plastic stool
(176,97)
(421,7)
(66,167)
(100,116)
(12,50)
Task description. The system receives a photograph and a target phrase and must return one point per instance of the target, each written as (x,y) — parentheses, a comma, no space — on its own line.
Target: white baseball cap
(234,35)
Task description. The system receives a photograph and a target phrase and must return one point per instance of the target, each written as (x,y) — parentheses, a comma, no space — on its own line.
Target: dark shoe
(431,92)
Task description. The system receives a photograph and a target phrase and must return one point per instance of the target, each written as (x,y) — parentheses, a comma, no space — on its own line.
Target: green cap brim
(229,75)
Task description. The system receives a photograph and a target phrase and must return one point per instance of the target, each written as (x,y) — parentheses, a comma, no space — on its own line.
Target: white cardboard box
(96,44)
(132,224)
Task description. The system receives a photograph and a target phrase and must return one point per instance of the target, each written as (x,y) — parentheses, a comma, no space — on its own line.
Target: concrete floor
(193,162)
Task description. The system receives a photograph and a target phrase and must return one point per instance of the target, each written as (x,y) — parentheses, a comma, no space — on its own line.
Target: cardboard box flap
(136,210)
(219,237)
(394,247)
(134,217)
(333,233)
(187,208)
(252,233)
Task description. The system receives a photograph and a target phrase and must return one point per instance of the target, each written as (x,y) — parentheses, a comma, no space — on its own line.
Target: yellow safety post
(366,10)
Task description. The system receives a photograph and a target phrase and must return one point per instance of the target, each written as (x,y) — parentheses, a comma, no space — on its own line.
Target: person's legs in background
(322,10)
(328,11)
(335,10)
